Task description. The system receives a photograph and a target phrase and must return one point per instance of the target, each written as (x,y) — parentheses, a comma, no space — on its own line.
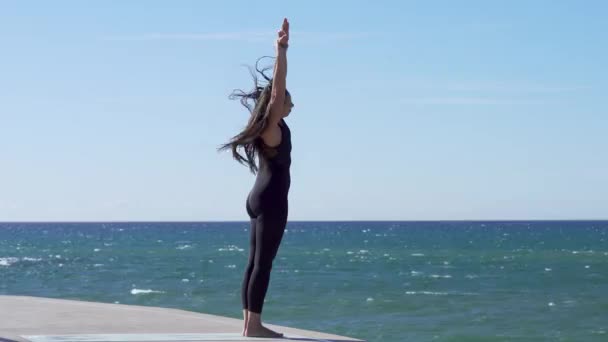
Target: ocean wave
(438,293)
(231,248)
(583,252)
(440,276)
(147,291)
(8,261)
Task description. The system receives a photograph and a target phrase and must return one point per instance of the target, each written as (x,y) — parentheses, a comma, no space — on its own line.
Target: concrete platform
(35,319)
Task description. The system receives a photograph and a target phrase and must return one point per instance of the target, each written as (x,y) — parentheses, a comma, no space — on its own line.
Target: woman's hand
(283,40)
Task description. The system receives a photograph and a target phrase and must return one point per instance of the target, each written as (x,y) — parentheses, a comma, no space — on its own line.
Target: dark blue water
(379,281)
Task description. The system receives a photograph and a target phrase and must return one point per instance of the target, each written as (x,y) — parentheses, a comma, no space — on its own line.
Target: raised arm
(276,106)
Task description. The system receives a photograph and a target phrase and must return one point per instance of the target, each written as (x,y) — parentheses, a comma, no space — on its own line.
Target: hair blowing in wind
(256,101)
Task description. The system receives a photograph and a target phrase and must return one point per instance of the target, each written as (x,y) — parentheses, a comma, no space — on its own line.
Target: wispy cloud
(466,87)
(464,92)
(488,93)
(217,36)
(332,36)
(517,87)
(245,36)
(452,101)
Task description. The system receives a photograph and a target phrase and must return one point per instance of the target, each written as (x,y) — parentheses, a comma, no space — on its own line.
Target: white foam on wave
(583,252)
(230,248)
(417,254)
(440,276)
(426,293)
(569,302)
(147,291)
(183,247)
(30,259)
(439,293)
(8,261)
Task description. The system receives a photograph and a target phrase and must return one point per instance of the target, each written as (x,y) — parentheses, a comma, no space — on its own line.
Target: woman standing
(268,137)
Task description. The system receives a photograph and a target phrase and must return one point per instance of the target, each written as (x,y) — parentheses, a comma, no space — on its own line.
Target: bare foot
(261,331)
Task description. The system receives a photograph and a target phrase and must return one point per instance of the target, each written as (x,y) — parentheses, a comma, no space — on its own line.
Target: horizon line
(304,221)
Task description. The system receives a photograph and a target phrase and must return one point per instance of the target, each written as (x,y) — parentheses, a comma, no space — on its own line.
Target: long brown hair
(258,119)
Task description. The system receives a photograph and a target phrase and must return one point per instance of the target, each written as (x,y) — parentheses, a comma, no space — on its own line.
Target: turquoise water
(379,281)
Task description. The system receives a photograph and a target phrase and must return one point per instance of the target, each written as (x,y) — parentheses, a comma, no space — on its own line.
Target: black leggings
(267,230)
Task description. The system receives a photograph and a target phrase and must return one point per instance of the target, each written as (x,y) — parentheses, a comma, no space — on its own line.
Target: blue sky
(404,110)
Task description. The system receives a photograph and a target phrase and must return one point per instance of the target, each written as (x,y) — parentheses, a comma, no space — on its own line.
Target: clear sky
(404,110)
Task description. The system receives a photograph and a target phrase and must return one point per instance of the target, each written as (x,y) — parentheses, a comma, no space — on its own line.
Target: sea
(376,281)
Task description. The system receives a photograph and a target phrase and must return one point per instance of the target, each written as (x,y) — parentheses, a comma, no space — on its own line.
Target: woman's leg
(268,236)
(250,264)
(249,267)
(269,233)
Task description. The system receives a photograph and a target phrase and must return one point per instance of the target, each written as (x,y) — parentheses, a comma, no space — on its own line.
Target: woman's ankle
(254,318)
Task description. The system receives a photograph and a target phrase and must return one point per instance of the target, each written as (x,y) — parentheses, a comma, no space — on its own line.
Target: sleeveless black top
(273,179)
(278,156)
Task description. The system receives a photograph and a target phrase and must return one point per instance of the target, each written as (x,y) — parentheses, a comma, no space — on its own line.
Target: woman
(268,137)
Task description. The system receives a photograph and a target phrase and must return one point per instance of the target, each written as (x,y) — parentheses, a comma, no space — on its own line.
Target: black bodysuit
(267,207)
